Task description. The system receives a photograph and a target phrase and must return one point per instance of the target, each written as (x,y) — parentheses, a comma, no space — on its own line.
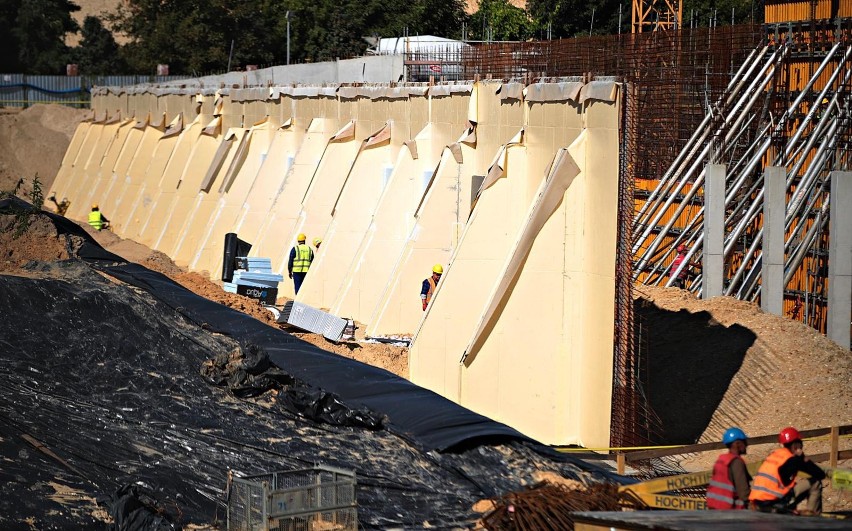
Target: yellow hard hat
(825,101)
(301,237)
(317,241)
(437,268)
(94,205)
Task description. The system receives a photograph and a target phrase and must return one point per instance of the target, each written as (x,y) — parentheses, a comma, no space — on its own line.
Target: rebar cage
(318,498)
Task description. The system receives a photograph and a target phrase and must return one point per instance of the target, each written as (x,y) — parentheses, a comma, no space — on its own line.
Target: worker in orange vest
(428,287)
(728,488)
(776,488)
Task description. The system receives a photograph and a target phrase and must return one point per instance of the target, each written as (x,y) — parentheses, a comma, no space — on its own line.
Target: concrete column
(713,266)
(840,259)
(772,257)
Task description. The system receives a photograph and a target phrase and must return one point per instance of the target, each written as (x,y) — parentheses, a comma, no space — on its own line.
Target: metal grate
(313,320)
(318,498)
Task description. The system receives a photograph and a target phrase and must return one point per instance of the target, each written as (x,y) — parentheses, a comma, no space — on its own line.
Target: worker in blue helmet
(729,485)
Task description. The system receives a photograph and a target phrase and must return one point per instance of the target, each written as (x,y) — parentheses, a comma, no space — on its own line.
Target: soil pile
(33,142)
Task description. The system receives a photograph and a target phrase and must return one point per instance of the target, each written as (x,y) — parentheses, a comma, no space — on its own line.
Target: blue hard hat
(733,434)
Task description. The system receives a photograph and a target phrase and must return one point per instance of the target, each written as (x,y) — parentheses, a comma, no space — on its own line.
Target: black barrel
(234,247)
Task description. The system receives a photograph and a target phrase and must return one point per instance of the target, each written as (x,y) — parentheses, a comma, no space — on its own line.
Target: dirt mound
(33,141)
(40,241)
(790,374)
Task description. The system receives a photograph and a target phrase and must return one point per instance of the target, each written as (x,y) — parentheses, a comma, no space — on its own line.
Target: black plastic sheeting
(103,391)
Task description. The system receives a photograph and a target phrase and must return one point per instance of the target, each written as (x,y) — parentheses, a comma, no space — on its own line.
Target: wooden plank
(682,481)
(835,440)
(705,447)
(673,503)
(620,465)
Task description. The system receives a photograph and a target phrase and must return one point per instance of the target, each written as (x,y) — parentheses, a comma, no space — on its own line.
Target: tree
(98,52)
(500,21)
(9,61)
(571,18)
(39,31)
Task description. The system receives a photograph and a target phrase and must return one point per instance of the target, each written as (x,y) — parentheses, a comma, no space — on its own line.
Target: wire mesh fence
(22,90)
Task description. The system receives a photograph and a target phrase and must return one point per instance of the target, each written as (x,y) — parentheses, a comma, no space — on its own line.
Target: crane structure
(656,15)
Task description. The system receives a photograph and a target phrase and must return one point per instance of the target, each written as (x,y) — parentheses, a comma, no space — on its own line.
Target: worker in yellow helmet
(301,256)
(96,219)
(429,285)
(317,242)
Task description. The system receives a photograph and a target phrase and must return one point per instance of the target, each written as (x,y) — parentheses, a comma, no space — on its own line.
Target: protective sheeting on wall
(98,183)
(382,244)
(352,213)
(59,187)
(87,164)
(114,181)
(207,197)
(438,220)
(314,214)
(120,201)
(143,200)
(529,294)
(233,194)
(164,194)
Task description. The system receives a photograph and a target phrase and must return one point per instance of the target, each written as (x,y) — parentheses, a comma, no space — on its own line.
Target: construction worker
(96,219)
(317,242)
(776,488)
(62,206)
(680,269)
(301,256)
(728,488)
(429,285)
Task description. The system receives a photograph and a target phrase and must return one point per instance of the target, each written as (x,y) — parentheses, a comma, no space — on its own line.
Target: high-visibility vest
(95,219)
(767,484)
(432,285)
(721,492)
(302,260)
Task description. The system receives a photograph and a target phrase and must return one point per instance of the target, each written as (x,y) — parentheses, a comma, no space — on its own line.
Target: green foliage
(572,18)
(98,53)
(23,216)
(500,21)
(701,11)
(38,34)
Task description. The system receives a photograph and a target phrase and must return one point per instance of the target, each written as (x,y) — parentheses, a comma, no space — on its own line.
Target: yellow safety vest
(302,260)
(95,219)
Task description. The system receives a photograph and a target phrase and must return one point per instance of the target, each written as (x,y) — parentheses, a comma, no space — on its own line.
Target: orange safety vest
(721,492)
(432,286)
(767,484)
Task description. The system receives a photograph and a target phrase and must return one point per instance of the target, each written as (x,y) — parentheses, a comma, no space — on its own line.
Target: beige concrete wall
(205,178)
(103,178)
(62,180)
(160,202)
(143,201)
(232,196)
(539,337)
(265,230)
(383,243)
(92,163)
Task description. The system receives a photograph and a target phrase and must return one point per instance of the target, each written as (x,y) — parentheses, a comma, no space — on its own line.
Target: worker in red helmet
(681,268)
(776,488)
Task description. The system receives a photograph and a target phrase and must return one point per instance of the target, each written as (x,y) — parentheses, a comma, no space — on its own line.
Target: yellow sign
(841,479)
(675,503)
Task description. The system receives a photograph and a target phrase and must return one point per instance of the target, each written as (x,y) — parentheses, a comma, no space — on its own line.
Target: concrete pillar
(772,257)
(713,266)
(840,259)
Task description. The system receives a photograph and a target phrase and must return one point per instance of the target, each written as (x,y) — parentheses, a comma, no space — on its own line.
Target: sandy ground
(785,373)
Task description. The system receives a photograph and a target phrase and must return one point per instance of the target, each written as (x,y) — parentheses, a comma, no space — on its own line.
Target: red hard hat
(789,435)
(681,248)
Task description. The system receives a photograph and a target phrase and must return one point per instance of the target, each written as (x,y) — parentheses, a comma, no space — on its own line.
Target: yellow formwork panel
(117,179)
(89,163)
(315,210)
(554,385)
(121,203)
(439,219)
(233,196)
(210,178)
(352,213)
(273,178)
(382,245)
(59,187)
(143,200)
(162,197)
(276,223)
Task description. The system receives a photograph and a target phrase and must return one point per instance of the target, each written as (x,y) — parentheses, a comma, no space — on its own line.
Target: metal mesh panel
(320,498)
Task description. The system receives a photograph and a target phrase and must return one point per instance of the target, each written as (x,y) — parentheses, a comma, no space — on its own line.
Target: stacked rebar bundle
(748,130)
(549,506)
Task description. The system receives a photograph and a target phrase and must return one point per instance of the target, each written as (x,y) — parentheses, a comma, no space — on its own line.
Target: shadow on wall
(691,362)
